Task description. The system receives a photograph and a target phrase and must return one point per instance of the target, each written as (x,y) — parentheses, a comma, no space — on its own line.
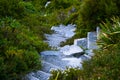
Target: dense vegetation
(105,64)
(21,38)
(23,23)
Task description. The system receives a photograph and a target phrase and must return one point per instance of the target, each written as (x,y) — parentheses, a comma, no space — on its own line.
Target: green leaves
(110,33)
(15,24)
(11,8)
(28,6)
(68,74)
(19,48)
(9,22)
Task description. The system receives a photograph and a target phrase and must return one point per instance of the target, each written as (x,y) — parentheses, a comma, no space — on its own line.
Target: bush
(17,62)
(68,74)
(11,8)
(21,38)
(28,7)
(19,49)
(103,66)
(58,4)
(110,33)
(92,12)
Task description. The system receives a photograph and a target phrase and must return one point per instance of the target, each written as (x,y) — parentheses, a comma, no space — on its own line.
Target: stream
(66,56)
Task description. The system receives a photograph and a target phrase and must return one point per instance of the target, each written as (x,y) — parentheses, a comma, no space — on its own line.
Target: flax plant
(110,32)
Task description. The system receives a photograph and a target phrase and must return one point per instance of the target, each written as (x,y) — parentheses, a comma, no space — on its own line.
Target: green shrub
(68,74)
(38,4)
(19,49)
(103,66)
(11,8)
(28,7)
(110,33)
(22,31)
(18,62)
(58,4)
(93,12)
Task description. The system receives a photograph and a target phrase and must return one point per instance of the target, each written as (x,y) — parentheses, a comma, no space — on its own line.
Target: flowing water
(62,57)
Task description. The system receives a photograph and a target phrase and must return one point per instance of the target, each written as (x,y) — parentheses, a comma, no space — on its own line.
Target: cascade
(66,56)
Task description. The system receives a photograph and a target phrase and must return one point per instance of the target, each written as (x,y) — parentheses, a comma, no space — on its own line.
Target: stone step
(40,75)
(60,63)
(73,62)
(55,60)
(82,42)
(71,50)
(51,53)
(98,32)
(92,37)
(67,56)
(47,67)
(30,76)
(89,52)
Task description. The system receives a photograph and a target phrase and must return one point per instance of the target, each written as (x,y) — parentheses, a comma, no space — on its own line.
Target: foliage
(104,65)
(92,12)
(18,62)
(11,8)
(68,74)
(38,4)
(19,49)
(59,4)
(28,7)
(110,33)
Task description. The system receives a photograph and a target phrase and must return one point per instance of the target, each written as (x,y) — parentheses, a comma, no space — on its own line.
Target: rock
(85,57)
(92,37)
(98,31)
(77,55)
(42,75)
(50,53)
(73,49)
(73,62)
(65,48)
(71,27)
(55,60)
(82,42)
(54,40)
(89,52)
(61,34)
(69,34)
(30,76)
(47,67)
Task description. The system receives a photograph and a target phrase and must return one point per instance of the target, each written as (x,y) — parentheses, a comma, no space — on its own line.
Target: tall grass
(110,33)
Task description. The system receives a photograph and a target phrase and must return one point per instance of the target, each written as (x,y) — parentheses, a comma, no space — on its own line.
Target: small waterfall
(67,56)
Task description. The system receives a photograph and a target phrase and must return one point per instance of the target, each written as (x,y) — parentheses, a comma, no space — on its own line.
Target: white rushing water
(61,34)
(66,56)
